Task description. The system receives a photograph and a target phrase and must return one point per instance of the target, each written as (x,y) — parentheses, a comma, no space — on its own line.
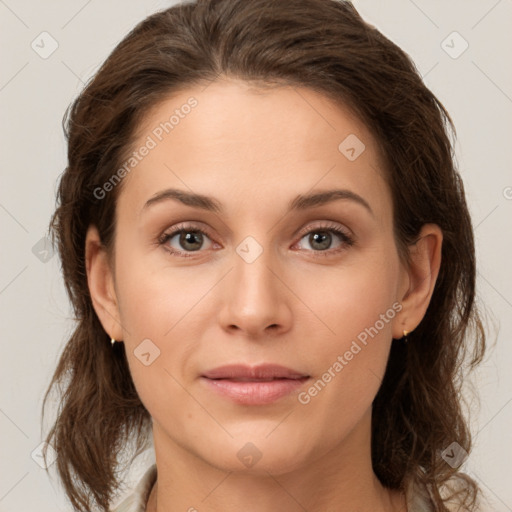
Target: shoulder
(137,499)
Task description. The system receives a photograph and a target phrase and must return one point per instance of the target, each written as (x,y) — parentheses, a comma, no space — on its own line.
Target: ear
(425,261)
(100,279)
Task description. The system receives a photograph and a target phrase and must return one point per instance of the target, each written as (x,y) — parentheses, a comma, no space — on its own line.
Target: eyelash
(346,240)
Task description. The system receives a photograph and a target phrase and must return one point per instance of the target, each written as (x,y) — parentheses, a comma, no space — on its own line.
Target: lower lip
(254,392)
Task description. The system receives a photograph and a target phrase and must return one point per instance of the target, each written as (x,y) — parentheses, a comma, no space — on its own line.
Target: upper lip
(262,371)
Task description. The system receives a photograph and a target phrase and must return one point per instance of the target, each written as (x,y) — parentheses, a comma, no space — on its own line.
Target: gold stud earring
(112,340)
(406,333)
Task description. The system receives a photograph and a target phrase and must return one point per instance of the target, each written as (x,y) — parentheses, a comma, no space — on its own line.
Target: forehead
(238,142)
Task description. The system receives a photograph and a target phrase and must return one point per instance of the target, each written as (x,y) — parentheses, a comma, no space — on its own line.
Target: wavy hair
(326,46)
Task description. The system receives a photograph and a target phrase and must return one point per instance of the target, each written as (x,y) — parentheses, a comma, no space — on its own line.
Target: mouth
(249,379)
(258,385)
(262,372)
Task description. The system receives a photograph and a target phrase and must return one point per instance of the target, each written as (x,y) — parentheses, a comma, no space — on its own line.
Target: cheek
(163,314)
(356,299)
(359,307)
(151,312)
(155,299)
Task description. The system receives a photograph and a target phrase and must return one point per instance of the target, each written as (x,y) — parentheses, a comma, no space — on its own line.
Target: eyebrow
(301,202)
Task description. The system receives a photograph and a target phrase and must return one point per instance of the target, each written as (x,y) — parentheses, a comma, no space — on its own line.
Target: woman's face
(313,285)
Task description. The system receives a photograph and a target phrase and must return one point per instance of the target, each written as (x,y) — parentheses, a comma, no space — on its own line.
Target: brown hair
(323,45)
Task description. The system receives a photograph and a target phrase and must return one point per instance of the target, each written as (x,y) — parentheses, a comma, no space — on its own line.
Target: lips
(244,373)
(256,385)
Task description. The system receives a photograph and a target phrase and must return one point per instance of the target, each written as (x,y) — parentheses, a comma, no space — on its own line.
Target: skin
(254,151)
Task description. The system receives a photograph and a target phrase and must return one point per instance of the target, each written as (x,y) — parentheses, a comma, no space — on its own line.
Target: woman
(271,260)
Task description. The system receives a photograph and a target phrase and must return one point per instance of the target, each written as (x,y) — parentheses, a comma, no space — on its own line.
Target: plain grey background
(50,49)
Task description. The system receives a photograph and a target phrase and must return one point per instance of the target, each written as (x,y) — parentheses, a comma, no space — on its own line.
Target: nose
(256,298)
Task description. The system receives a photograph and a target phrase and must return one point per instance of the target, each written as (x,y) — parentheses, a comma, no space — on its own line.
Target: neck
(341,479)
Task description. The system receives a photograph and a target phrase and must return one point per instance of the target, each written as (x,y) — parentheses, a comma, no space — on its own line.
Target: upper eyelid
(192,226)
(328,226)
(183,226)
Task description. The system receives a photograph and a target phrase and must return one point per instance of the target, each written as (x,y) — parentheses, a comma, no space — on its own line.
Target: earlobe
(100,280)
(425,262)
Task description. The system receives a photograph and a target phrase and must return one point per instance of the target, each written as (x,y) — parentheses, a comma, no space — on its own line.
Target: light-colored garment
(418,500)
(136,501)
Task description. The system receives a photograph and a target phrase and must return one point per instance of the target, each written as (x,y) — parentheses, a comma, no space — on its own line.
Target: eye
(183,239)
(321,239)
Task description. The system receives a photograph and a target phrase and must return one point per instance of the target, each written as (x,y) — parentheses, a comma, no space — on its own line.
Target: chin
(257,456)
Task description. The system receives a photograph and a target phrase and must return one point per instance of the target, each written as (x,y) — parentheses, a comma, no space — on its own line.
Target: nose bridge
(257,297)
